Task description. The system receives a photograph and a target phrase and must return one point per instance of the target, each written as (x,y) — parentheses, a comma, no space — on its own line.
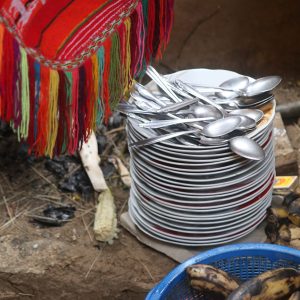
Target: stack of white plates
(197,195)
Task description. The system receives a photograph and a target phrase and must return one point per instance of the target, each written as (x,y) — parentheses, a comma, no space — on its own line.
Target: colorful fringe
(54,110)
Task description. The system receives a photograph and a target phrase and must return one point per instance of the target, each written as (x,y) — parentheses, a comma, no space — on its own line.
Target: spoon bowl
(189,89)
(206,111)
(222,127)
(262,85)
(254,101)
(246,102)
(236,84)
(204,140)
(254,114)
(246,147)
(246,123)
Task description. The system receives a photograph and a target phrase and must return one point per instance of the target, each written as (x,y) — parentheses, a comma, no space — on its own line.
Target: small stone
(35,246)
(74,236)
(102,143)
(67,186)
(46,235)
(55,167)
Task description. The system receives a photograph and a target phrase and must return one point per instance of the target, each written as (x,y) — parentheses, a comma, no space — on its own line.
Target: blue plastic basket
(241,260)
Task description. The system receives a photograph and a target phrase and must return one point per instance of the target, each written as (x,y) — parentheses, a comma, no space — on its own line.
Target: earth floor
(39,262)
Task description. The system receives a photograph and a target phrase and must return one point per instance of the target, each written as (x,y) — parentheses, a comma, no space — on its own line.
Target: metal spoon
(177,106)
(262,85)
(144,105)
(222,126)
(245,147)
(206,111)
(204,140)
(246,123)
(254,101)
(178,91)
(219,141)
(232,86)
(147,94)
(156,104)
(254,114)
(129,109)
(246,102)
(162,83)
(240,86)
(188,88)
(160,138)
(164,123)
(201,111)
(236,84)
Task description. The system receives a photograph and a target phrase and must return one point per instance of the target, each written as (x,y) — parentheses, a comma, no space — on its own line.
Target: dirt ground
(39,262)
(252,37)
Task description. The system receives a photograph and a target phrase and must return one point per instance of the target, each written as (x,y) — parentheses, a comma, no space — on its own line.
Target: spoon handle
(142,104)
(195,93)
(147,94)
(177,106)
(213,89)
(161,82)
(160,138)
(126,110)
(178,91)
(164,123)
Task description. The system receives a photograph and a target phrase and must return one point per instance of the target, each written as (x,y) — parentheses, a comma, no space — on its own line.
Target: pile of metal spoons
(202,171)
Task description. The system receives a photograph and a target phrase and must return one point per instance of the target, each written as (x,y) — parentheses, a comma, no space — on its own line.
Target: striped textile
(64,32)
(65,64)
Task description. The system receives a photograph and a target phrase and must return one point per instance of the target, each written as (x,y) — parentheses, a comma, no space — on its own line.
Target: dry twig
(121,128)
(86,228)
(94,261)
(43,177)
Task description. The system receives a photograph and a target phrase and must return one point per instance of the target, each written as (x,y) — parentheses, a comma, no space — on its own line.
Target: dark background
(253,37)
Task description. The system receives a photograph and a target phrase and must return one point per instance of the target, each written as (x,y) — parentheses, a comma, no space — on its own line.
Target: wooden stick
(90,160)
(121,128)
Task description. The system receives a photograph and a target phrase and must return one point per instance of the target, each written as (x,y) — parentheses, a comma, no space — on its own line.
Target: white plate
(191,241)
(172,186)
(189,214)
(201,206)
(198,227)
(192,180)
(212,165)
(222,192)
(253,190)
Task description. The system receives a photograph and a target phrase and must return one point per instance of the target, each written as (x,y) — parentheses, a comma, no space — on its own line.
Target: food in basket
(209,279)
(283,222)
(279,212)
(271,285)
(289,232)
(294,212)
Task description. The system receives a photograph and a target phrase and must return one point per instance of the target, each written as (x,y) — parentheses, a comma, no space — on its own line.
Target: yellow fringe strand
(23,129)
(53,112)
(127,75)
(96,88)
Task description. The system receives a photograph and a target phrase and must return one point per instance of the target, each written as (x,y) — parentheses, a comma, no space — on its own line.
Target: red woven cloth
(63,32)
(65,64)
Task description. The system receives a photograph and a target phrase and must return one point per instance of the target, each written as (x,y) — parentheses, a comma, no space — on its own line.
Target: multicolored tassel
(55,110)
